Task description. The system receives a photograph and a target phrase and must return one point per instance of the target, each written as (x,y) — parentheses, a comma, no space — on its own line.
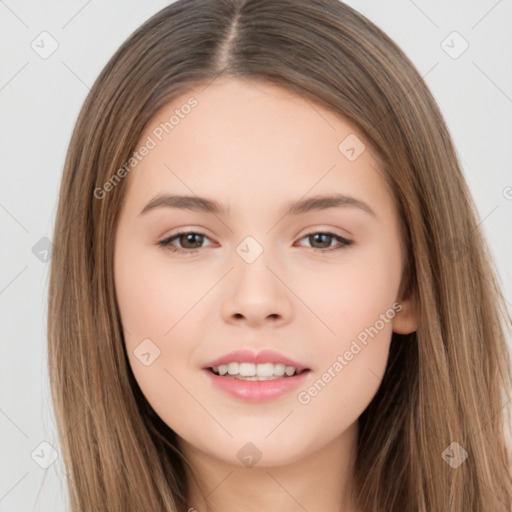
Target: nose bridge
(256,292)
(254,261)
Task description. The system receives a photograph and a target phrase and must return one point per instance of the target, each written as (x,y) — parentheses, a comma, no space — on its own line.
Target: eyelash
(344,242)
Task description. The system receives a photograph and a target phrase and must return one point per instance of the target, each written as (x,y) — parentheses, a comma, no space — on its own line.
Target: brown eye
(322,241)
(189,242)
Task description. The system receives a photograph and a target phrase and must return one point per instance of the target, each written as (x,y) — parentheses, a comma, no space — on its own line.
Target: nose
(256,294)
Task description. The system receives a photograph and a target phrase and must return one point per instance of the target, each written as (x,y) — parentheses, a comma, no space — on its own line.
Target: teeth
(264,370)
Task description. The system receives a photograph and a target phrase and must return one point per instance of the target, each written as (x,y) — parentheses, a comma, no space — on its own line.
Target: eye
(324,239)
(192,241)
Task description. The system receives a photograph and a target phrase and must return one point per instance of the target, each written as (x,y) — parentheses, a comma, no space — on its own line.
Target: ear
(406,317)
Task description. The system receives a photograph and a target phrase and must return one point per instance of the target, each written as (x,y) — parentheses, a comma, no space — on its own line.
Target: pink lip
(247,356)
(256,391)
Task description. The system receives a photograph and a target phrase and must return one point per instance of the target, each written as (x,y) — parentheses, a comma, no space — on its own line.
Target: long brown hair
(446,383)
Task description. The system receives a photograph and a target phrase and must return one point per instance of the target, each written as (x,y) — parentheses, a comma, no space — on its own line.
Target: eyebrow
(202,204)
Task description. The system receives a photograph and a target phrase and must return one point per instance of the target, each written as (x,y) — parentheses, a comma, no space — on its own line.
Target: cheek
(153,295)
(358,306)
(154,299)
(351,296)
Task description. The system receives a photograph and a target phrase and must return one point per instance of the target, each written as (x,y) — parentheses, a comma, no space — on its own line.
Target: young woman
(269,289)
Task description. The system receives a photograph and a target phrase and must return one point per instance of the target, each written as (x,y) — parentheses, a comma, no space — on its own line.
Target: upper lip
(247,356)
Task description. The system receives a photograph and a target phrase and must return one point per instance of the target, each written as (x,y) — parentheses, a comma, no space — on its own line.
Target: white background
(40,100)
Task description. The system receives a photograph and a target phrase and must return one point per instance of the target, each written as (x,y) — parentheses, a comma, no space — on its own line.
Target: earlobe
(405,321)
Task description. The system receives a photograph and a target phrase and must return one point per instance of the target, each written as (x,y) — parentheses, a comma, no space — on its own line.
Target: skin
(255,147)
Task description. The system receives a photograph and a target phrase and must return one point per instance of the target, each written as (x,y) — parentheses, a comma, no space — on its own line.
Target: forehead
(245,139)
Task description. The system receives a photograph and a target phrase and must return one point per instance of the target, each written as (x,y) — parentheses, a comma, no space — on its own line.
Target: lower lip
(257,390)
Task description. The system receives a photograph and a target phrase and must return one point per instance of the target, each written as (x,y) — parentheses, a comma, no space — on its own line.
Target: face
(318,285)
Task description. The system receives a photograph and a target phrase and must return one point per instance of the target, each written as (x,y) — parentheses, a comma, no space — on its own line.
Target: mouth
(261,385)
(256,377)
(252,372)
